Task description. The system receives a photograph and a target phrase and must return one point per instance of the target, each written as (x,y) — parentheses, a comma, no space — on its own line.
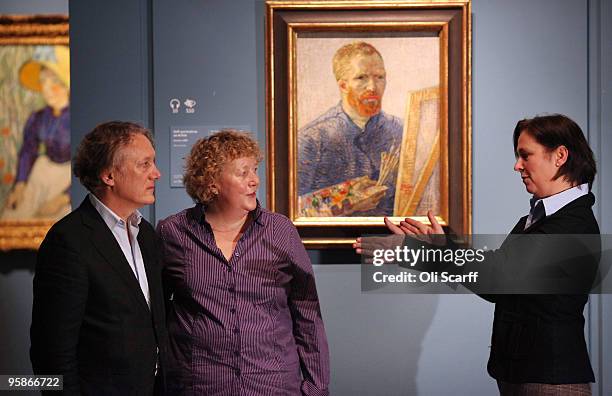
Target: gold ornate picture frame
(22,39)
(418,138)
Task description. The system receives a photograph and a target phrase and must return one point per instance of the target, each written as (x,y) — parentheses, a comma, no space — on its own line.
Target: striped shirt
(248,326)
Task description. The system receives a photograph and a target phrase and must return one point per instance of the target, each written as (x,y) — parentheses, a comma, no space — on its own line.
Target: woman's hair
(556,130)
(99,148)
(209,155)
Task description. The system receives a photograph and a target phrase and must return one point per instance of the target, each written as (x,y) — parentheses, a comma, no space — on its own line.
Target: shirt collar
(110,218)
(555,202)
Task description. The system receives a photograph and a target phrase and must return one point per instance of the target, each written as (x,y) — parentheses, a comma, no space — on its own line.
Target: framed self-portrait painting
(368,115)
(34,127)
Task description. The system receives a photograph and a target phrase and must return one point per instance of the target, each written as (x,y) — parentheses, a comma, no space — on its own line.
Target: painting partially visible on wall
(363,142)
(34,127)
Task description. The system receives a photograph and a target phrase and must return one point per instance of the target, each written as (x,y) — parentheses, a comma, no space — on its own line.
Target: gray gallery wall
(529,56)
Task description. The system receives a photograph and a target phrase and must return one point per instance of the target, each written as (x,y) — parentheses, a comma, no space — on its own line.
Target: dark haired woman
(538,346)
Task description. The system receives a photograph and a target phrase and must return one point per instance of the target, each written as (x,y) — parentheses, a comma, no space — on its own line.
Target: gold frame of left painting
(29,30)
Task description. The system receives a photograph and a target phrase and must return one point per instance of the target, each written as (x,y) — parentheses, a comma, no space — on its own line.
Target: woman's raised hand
(432,234)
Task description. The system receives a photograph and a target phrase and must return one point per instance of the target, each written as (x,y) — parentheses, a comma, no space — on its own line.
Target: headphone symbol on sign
(174,105)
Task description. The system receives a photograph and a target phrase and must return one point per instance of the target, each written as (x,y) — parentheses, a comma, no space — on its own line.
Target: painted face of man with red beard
(364,84)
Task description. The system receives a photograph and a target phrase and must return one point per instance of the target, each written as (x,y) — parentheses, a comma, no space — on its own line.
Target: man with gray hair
(98,312)
(347,140)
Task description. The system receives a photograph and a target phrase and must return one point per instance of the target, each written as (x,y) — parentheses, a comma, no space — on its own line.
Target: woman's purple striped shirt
(250,326)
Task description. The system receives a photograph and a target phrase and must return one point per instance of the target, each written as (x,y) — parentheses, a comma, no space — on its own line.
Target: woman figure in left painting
(43,168)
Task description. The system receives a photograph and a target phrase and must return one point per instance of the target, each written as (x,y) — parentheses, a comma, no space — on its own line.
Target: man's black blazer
(90,320)
(540,338)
